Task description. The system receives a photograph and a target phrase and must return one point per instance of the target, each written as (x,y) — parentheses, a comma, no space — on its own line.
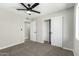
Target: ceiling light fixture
(28,12)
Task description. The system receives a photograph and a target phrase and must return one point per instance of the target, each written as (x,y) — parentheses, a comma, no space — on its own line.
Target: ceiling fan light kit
(28,12)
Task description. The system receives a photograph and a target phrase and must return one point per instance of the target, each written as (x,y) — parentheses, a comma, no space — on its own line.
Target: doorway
(27,31)
(47,31)
(53,31)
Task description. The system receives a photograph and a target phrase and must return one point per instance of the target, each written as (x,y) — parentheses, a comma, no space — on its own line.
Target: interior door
(56,31)
(33,31)
(46,30)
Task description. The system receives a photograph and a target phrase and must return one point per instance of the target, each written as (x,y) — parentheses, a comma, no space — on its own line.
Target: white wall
(68,26)
(10,28)
(76,39)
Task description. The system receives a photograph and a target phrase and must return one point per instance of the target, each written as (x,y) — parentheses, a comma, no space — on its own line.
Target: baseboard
(67,48)
(40,41)
(11,45)
(33,40)
(76,54)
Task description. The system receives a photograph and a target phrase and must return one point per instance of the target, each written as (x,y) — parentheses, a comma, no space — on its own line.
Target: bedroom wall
(76,39)
(11,28)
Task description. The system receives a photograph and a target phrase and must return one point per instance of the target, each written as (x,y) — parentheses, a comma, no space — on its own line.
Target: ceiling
(44,8)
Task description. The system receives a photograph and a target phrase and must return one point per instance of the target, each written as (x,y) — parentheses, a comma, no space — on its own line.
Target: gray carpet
(30,48)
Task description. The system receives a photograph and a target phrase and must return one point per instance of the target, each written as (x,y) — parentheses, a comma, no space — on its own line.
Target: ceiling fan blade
(34,5)
(35,11)
(24,5)
(21,9)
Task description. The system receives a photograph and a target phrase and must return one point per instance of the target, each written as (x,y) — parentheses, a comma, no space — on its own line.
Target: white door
(27,30)
(33,31)
(46,30)
(56,31)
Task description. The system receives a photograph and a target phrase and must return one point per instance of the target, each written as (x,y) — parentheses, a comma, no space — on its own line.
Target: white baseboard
(76,54)
(40,41)
(67,48)
(33,40)
(11,45)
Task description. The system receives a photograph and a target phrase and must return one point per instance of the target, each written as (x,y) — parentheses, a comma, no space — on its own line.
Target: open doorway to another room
(27,30)
(47,29)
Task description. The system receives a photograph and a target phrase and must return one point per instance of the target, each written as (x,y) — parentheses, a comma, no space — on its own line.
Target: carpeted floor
(30,48)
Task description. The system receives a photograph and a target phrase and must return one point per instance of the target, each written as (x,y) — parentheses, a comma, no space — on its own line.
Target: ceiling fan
(29,8)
